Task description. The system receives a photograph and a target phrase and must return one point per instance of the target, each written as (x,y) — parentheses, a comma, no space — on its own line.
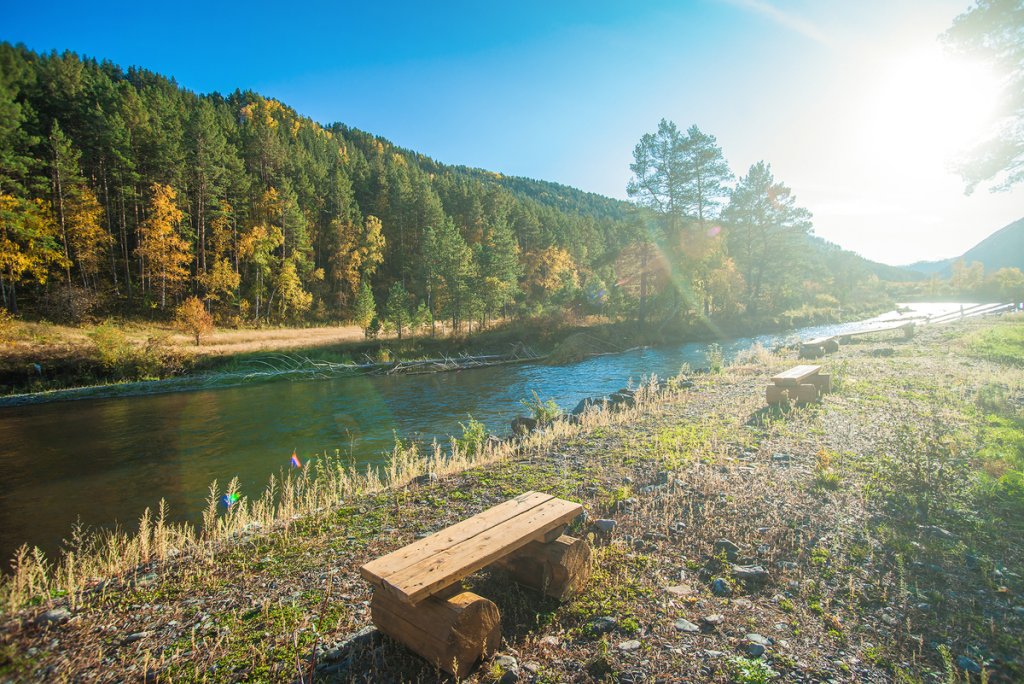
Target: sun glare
(928,106)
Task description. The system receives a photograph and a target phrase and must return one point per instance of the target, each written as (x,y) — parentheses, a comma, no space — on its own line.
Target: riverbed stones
(721,588)
(523,424)
(602,625)
(731,551)
(55,616)
(750,574)
(630,645)
(604,525)
(684,625)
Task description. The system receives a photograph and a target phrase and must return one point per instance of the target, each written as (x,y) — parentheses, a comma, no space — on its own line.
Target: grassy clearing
(889,519)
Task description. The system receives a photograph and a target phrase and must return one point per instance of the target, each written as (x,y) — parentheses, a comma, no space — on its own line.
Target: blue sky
(563,91)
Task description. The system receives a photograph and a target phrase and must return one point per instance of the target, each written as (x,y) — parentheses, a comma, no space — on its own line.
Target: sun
(929,106)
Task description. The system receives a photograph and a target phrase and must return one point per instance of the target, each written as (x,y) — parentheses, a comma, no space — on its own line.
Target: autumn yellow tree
(192,318)
(360,251)
(549,270)
(165,254)
(29,246)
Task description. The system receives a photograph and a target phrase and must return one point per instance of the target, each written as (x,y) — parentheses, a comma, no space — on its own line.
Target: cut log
(774,394)
(559,569)
(823,381)
(451,634)
(804,393)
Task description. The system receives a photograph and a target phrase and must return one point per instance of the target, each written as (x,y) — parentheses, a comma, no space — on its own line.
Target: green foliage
(1004,344)
(396,309)
(716,358)
(365,309)
(123,359)
(473,435)
(542,411)
(750,671)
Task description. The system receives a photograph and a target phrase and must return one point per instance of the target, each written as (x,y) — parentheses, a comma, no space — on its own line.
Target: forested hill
(121,192)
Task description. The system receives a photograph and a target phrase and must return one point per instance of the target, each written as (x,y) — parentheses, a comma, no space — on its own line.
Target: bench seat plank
(795,376)
(438,561)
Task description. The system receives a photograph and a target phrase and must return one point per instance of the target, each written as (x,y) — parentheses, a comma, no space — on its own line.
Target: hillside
(1002,249)
(127,194)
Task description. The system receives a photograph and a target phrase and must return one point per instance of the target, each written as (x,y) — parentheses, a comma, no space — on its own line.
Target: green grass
(1002,344)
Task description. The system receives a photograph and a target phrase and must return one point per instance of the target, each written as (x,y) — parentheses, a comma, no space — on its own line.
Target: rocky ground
(867,538)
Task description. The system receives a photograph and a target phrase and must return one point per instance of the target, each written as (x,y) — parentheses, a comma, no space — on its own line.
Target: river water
(103,461)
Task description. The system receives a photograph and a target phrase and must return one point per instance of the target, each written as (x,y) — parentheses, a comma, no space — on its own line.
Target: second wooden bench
(800,384)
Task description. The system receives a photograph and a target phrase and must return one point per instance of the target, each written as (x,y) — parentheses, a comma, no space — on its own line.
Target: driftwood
(279,365)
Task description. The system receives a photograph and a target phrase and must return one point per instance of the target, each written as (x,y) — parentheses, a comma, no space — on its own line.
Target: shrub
(473,435)
(192,318)
(542,411)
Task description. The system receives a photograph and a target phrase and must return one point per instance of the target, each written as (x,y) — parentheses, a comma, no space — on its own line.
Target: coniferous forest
(122,193)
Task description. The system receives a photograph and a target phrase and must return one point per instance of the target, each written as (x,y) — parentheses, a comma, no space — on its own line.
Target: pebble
(631,645)
(731,551)
(721,588)
(755,574)
(743,604)
(602,625)
(712,621)
(551,640)
(135,636)
(680,590)
(604,525)
(506,663)
(755,638)
(969,665)
(684,625)
(755,650)
(56,616)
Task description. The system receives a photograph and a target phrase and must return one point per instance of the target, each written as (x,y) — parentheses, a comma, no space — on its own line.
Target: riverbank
(887,521)
(42,362)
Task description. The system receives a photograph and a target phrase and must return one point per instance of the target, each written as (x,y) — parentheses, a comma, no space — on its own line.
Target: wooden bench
(818,347)
(417,598)
(800,384)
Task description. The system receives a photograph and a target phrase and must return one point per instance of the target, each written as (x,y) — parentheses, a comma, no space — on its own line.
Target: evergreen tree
(365,309)
(396,309)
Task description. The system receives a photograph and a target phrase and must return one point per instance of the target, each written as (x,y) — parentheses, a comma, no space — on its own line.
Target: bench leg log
(823,381)
(453,634)
(559,569)
(774,394)
(804,393)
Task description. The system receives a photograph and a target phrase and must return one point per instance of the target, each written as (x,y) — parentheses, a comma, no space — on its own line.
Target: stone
(684,625)
(712,621)
(968,665)
(743,604)
(681,590)
(604,525)
(713,654)
(781,458)
(731,551)
(551,640)
(755,638)
(56,616)
(755,650)
(750,574)
(509,677)
(425,479)
(532,666)
(506,663)
(602,625)
(631,645)
(522,425)
(136,636)
(721,588)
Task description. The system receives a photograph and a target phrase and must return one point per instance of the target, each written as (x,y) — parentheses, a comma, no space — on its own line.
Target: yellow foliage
(165,253)
(550,268)
(192,318)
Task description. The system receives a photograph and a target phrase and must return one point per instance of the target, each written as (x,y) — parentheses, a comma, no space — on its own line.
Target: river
(103,461)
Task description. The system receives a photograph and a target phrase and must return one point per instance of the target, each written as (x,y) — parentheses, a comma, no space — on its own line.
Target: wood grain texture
(452,634)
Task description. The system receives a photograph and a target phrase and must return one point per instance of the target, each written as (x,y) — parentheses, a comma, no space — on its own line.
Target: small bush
(749,671)
(473,435)
(192,318)
(716,358)
(542,411)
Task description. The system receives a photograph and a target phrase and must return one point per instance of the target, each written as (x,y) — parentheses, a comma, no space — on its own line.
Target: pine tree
(396,309)
(365,309)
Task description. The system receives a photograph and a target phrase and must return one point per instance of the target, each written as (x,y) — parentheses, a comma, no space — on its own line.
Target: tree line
(121,192)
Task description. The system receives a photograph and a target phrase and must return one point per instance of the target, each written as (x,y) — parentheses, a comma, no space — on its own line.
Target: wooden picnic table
(417,597)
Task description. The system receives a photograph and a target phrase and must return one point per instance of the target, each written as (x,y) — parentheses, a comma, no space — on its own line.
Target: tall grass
(89,561)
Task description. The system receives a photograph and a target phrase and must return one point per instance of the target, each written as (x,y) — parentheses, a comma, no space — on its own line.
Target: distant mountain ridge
(1002,249)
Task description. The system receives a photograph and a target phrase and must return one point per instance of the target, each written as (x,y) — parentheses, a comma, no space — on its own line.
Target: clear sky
(853,103)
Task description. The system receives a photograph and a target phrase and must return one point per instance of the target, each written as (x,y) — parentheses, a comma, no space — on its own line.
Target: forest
(124,195)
